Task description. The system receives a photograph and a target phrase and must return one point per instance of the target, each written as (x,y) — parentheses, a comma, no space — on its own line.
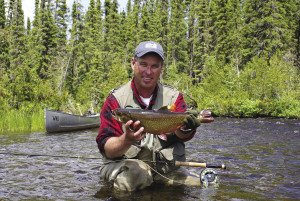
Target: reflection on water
(262,156)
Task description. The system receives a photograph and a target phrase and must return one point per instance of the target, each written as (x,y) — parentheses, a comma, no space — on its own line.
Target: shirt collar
(137,97)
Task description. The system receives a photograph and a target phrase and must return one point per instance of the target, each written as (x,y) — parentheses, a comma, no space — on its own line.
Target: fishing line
(47,155)
(78,157)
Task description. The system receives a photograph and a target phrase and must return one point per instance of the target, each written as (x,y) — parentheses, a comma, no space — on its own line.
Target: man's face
(147,70)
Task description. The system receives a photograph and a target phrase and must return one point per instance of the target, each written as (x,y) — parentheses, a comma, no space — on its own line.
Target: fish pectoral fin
(171,107)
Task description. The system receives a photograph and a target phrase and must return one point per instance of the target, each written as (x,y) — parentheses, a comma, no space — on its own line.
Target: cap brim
(140,54)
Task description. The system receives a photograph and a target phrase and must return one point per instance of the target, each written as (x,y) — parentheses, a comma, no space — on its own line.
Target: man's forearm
(116,147)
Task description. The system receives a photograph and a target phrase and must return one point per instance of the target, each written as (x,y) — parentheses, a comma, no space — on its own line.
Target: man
(129,153)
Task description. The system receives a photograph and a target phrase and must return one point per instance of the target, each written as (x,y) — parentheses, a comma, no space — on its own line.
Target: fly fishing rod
(47,155)
(196,164)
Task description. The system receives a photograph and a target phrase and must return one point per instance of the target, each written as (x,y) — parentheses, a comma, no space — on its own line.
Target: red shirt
(110,127)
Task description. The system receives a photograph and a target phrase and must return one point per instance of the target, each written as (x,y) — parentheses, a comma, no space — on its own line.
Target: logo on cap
(151,45)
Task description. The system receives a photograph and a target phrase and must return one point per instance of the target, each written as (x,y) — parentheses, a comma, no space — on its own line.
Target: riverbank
(21,121)
(28,121)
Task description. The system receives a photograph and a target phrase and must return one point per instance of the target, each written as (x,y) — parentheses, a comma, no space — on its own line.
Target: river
(262,158)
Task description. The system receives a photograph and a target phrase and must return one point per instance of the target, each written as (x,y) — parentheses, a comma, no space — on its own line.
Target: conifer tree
(297,35)
(4,60)
(202,37)
(43,42)
(123,37)
(192,29)
(90,34)
(99,37)
(177,39)
(130,30)
(75,63)
(112,42)
(148,22)
(2,14)
(17,33)
(266,28)
(49,39)
(162,12)
(88,47)
(4,45)
(28,25)
(221,29)
(227,31)
(113,48)
(234,38)
(93,70)
(18,74)
(36,12)
(61,21)
(292,15)
(153,24)
(11,6)
(144,23)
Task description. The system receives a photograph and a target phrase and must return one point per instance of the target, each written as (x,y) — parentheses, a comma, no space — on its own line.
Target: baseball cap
(149,46)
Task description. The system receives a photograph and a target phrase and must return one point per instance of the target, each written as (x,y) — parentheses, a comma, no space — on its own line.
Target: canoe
(57,121)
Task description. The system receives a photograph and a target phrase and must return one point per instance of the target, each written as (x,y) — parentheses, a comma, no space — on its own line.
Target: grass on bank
(21,121)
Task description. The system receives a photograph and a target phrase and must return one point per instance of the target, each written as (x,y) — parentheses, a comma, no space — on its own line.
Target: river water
(262,158)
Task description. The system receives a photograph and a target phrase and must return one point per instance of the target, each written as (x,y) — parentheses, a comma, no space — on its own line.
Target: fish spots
(154,121)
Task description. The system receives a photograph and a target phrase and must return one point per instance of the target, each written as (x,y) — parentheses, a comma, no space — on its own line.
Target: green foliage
(237,58)
(182,82)
(27,119)
(177,43)
(2,14)
(61,21)
(266,28)
(263,89)
(4,49)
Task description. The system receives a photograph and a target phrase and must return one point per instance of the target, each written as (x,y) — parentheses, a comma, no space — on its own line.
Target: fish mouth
(114,115)
(119,115)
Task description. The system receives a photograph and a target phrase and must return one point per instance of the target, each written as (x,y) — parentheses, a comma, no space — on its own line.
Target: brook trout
(158,121)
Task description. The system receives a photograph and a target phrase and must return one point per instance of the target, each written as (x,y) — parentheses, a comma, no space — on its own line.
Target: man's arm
(111,140)
(117,146)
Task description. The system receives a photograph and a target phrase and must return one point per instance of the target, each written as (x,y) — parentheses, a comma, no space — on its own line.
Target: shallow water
(262,158)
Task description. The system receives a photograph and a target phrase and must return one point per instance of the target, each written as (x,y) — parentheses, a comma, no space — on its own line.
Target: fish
(160,121)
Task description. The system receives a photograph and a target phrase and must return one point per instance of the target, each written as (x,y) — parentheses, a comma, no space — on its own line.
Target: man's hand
(205,116)
(191,121)
(134,132)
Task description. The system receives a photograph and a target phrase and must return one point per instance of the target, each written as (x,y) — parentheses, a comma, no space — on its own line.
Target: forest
(238,58)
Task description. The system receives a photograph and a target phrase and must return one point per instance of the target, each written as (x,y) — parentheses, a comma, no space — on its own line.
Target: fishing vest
(152,147)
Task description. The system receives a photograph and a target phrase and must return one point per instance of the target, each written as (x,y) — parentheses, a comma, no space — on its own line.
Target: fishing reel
(208,176)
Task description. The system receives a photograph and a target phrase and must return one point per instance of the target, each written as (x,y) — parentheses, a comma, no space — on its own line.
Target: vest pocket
(132,151)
